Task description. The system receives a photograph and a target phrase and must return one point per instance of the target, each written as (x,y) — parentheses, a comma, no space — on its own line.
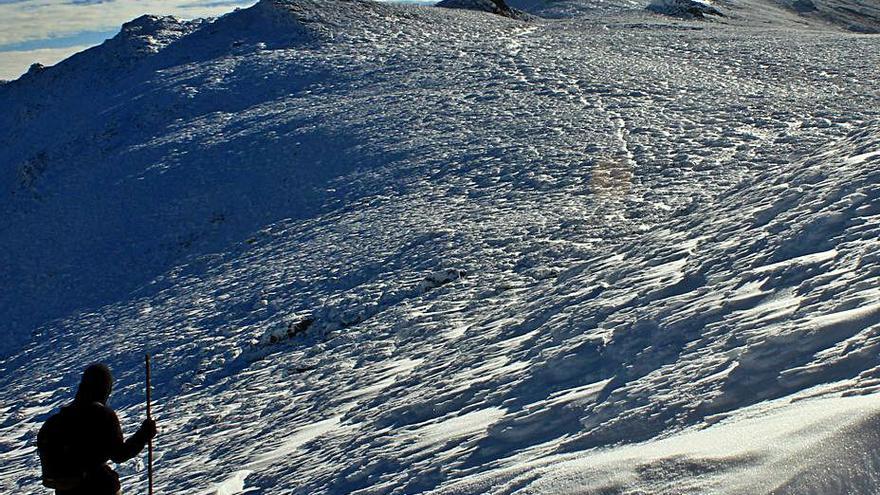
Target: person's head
(96,384)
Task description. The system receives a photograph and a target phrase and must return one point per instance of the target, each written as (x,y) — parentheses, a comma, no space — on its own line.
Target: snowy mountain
(404,249)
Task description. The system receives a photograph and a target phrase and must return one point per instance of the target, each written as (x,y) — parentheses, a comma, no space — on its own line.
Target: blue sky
(48,31)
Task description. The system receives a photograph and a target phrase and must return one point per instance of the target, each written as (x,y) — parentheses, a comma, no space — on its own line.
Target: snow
(811,441)
(404,249)
(233,485)
(446,430)
(295,441)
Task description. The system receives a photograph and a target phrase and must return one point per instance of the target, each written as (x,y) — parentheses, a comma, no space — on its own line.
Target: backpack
(58,446)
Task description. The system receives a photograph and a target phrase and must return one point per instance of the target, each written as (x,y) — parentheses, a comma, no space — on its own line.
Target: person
(99,436)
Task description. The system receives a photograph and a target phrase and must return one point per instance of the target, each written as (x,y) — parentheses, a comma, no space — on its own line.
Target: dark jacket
(100,440)
(100,437)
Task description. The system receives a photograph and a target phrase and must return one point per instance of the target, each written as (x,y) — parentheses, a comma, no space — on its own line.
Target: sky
(48,31)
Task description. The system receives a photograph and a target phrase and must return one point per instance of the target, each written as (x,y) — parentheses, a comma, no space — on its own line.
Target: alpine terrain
(564,246)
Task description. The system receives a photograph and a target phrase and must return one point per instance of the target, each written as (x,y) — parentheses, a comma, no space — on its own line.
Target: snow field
(619,256)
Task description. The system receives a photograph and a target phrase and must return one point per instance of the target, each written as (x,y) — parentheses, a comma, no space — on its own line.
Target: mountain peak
(150,33)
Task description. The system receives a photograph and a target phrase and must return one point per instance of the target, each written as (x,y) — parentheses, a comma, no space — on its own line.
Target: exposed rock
(694,9)
(498,7)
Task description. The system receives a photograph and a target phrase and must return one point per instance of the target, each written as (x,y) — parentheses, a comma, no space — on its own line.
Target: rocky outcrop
(693,9)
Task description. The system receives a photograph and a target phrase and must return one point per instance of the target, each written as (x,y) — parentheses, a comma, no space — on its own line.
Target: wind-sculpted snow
(388,249)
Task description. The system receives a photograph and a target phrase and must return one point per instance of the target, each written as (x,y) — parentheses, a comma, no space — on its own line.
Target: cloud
(15,63)
(89,38)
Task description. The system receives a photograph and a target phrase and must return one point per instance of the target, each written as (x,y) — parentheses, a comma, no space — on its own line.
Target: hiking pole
(150,441)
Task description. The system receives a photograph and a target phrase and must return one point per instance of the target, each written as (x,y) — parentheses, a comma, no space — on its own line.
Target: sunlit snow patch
(235,484)
(783,447)
(433,433)
(296,440)
(232,486)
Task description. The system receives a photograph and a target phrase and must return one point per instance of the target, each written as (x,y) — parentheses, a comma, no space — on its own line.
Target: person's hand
(149,428)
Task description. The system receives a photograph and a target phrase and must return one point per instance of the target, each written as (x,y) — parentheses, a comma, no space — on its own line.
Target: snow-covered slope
(125,159)
(390,249)
(860,16)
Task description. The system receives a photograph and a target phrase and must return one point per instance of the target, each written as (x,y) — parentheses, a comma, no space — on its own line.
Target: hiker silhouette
(76,443)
